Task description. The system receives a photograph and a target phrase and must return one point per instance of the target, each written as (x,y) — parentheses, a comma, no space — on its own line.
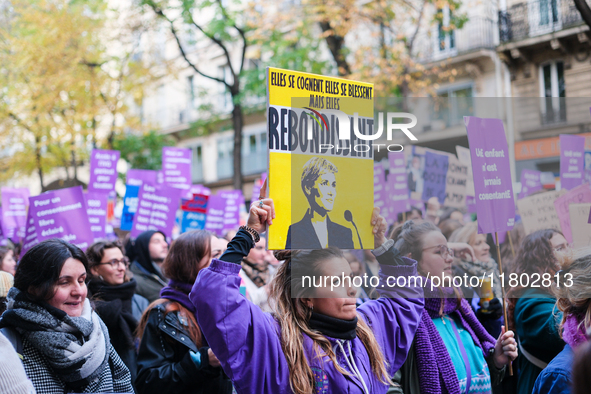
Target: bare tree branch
(240,31)
(161,14)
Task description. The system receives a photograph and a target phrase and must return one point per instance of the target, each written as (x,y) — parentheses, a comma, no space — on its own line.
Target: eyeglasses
(115,263)
(443,250)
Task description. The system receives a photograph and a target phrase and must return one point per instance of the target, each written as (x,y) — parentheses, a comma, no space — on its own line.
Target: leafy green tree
(142,151)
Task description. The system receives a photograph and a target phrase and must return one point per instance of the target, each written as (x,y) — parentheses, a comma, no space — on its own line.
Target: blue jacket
(247,341)
(556,377)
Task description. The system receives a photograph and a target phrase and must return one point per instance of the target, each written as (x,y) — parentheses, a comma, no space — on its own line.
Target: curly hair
(536,256)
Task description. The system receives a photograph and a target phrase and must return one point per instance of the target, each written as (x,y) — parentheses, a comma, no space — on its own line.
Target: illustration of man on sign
(316,230)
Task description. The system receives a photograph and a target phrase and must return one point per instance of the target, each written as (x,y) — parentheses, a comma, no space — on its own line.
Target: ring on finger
(261,203)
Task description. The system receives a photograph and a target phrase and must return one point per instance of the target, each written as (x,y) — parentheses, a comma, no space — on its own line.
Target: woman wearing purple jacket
(316,341)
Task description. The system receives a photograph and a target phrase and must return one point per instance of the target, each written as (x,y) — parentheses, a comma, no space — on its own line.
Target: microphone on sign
(349,218)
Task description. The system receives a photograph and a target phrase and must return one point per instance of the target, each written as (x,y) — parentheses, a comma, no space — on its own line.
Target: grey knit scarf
(76,348)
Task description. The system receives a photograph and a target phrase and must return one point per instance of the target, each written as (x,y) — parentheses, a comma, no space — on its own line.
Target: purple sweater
(247,340)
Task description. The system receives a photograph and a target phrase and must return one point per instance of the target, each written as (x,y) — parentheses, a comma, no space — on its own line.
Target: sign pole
(503,292)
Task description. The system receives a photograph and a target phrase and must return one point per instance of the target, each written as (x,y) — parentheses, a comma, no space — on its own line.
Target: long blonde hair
(575,299)
(287,293)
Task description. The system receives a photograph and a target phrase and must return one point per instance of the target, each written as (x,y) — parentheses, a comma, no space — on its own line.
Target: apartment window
(446,37)
(254,157)
(225,156)
(197,163)
(191,90)
(453,104)
(552,89)
(544,16)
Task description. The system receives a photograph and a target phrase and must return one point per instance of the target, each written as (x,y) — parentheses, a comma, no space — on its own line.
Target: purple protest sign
(103,170)
(96,207)
(176,167)
(572,151)
(14,212)
(139,177)
(216,208)
(198,189)
(30,238)
(530,182)
(156,210)
(62,214)
(435,176)
(380,197)
(397,185)
(493,186)
(234,201)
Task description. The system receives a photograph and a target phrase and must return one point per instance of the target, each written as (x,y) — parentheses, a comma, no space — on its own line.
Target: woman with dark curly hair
(64,344)
(115,301)
(531,311)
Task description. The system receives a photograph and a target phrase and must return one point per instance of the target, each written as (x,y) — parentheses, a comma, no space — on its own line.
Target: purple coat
(247,340)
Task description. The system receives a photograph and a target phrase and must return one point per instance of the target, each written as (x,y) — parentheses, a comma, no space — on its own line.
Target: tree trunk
(38,161)
(336,44)
(584,10)
(237,123)
(75,165)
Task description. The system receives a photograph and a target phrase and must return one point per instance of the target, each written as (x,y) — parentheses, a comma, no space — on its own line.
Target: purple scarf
(178,292)
(574,332)
(435,368)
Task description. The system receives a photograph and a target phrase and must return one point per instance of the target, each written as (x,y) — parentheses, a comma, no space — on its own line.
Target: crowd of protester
(206,314)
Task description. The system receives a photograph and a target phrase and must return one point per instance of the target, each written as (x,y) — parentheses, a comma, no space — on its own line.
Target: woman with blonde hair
(317,340)
(573,299)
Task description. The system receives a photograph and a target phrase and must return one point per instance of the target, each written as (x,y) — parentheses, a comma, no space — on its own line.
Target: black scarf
(333,327)
(113,305)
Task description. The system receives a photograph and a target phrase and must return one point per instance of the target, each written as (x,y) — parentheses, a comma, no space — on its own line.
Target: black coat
(301,235)
(164,362)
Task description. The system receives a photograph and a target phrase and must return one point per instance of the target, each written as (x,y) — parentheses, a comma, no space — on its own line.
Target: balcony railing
(533,18)
(477,33)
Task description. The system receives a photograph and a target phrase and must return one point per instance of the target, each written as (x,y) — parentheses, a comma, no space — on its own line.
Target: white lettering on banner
(181,160)
(96,228)
(104,171)
(495,196)
(69,237)
(94,220)
(101,185)
(40,203)
(97,212)
(496,181)
(155,197)
(43,222)
(94,203)
(102,156)
(52,231)
(572,175)
(161,207)
(64,208)
(159,215)
(142,211)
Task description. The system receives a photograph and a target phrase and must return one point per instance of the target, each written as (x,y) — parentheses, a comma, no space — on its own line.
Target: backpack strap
(530,357)
(15,339)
